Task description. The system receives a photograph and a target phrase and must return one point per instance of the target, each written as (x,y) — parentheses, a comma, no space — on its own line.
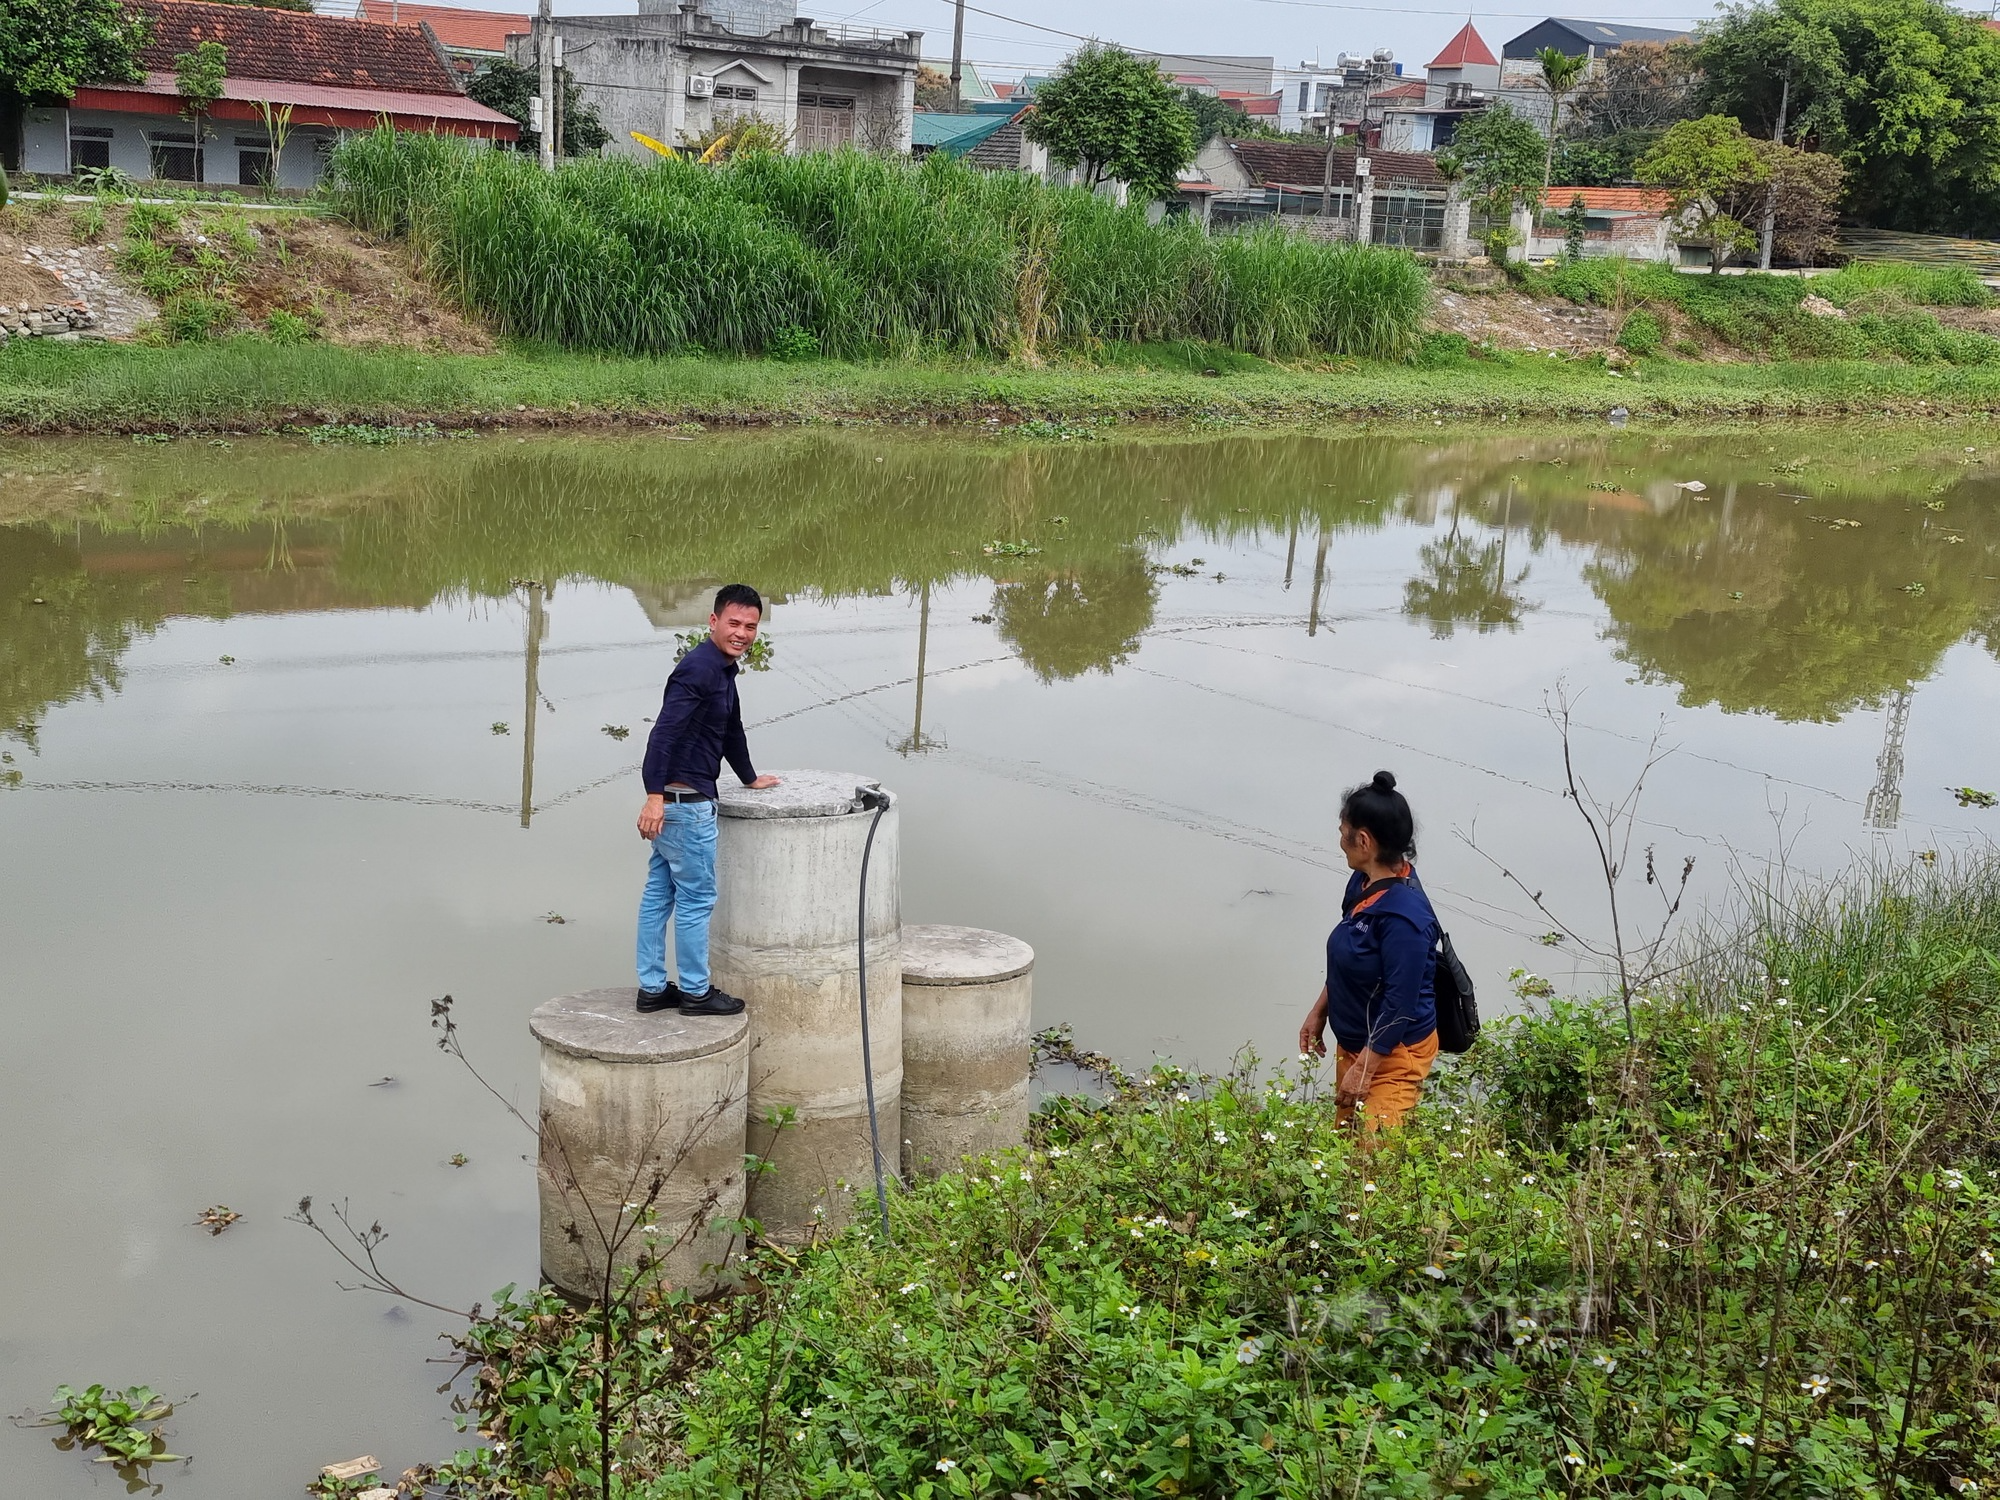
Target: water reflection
(1800,584)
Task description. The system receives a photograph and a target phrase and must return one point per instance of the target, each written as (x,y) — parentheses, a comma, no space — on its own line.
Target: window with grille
(89,148)
(736,91)
(176,158)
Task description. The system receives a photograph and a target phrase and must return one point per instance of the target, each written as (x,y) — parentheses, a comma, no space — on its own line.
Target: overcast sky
(1289,30)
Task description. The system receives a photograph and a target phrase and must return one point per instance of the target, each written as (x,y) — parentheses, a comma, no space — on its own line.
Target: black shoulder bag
(1457,1011)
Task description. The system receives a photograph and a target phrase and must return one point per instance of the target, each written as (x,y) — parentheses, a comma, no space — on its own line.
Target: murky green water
(264,814)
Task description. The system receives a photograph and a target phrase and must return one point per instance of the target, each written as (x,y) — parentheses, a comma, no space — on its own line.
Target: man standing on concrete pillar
(700,725)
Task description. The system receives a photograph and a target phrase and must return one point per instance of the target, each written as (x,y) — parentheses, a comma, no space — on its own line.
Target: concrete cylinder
(626,1099)
(968,1014)
(788,873)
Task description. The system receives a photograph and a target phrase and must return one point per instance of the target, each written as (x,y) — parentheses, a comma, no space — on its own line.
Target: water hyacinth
(853,255)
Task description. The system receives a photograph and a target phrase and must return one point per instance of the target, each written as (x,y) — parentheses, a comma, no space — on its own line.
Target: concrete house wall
(51,140)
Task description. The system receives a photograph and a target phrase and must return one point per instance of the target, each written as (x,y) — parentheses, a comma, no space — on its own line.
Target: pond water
(303,737)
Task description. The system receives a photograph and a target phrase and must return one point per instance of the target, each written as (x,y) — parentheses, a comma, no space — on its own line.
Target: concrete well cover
(798,794)
(606,1024)
(940,954)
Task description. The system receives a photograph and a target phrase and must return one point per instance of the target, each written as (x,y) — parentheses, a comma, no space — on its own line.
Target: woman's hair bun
(1384,781)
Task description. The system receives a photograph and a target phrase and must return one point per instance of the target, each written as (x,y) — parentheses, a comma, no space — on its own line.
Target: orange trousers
(1398,1081)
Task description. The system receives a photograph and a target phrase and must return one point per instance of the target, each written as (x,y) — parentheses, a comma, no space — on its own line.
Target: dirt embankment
(223,270)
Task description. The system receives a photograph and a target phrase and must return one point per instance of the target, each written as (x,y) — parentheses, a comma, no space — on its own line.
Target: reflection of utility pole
(1885,798)
(1319,578)
(537,623)
(1291,551)
(918,742)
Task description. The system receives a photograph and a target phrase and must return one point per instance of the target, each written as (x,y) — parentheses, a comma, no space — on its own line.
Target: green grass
(1753,1253)
(869,255)
(253,382)
(1884,303)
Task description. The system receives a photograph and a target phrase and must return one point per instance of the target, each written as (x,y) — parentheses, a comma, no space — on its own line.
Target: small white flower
(1367,1187)
(911,1286)
(1816,1386)
(1221,1139)
(1138,1232)
(1238,1213)
(1529,1180)
(1248,1350)
(1180,1098)
(1130,1312)
(1744,1439)
(1965,1486)
(1573,1458)
(1607,1365)
(1397,1432)
(1434,1271)
(1986,1259)
(1353,1218)
(1484,1412)
(1009,1275)
(1312,1244)
(1027,1176)
(946,1465)
(1268,1135)
(1056,1153)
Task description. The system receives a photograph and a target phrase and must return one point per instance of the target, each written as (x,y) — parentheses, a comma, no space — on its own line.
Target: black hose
(878,799)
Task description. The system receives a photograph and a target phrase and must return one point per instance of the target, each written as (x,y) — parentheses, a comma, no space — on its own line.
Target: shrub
(1444,351)
(792,343)
(148,221)
(1641,333)
(283,327)
(866,254)
(191,318)
(86,225)
(1927,286)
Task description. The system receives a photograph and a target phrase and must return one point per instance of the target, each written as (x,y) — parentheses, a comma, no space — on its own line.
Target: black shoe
(713,1003)
(652,1000)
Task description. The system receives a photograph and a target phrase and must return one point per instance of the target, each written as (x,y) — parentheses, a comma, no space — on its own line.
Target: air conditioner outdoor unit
(701,86)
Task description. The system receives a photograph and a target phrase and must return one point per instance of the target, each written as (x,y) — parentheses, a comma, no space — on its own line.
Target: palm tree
(1562,75)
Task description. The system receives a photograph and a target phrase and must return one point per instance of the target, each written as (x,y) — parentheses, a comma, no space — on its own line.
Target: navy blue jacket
(1381,968)
(700,724)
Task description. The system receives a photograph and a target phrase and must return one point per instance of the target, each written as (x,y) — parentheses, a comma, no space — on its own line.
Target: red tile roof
(330,51)
(1283,163)
(312,104)
(1465,50)
(1621,199)
(468,30)
(1414,89)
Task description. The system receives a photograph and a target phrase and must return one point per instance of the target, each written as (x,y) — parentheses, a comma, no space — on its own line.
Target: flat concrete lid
(606,1024)
(962,955)
(798,794)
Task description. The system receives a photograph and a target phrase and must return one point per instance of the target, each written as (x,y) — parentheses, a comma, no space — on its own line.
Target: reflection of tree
(68,645)
(1079,620)
(1465,583)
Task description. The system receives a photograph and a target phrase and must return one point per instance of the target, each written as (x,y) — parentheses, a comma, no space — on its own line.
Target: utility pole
(556,101)
(545,57)
(1319,581)
(1771,188)
(957,56)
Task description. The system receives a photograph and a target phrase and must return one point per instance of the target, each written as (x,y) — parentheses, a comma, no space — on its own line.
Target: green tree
(1602,161)
(1706,165)
(1500,153)
(934,92)
(1114,116)
(1561,75)
(1905,92)
(1215,116)
(49,47)
(508,87)
(198,77)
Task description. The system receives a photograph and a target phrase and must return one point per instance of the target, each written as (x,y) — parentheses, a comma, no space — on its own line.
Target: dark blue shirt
(700,724)
(1381,966)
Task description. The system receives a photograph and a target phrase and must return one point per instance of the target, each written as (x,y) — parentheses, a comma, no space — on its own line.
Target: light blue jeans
(680,886)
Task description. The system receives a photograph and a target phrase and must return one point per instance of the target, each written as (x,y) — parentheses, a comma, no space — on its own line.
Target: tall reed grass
(869,255)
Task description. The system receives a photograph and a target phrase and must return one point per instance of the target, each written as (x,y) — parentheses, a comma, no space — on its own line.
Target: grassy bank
(1750,1254)
(252,383)
(847,253)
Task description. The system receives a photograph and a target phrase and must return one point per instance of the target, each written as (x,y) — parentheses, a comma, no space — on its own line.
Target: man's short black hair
(738,593)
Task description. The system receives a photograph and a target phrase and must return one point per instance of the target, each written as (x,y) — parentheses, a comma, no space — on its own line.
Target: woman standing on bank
(1381,964)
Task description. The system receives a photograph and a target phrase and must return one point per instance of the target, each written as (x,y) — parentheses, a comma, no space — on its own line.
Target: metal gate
(826,122)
